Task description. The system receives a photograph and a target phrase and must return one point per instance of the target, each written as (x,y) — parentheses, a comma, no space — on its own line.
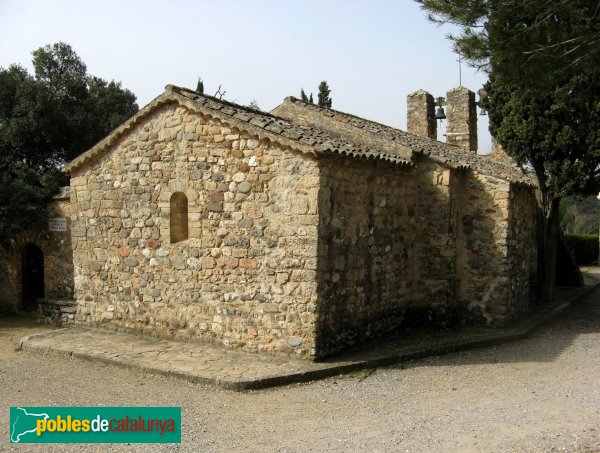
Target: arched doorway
(32,259)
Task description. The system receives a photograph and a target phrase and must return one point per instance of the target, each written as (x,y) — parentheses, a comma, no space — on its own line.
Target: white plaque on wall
(57,224)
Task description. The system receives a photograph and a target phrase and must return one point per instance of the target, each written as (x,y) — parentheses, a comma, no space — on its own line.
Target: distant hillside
(580,215)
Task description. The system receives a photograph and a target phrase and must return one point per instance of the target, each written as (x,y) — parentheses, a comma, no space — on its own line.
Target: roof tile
(390,145)
(390,138)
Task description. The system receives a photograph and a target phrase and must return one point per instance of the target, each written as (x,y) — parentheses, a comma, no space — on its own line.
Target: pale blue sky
(372,53)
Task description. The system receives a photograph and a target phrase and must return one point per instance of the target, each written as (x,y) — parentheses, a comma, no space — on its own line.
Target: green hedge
(583,246)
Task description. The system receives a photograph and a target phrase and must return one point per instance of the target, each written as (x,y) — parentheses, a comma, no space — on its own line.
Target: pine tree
(324,98)
(543,98)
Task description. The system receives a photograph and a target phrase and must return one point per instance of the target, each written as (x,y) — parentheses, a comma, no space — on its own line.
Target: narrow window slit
(179,217)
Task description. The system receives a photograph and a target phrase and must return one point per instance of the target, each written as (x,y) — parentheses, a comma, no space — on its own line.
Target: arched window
(179,217)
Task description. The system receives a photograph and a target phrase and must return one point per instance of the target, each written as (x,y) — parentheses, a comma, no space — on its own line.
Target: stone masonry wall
(461,113)
(522,249)
(431,203)
(58,264)
(386,249)
(436,223)
(420,108)
(482,264)
(245,277)
(497,151)
(366,244)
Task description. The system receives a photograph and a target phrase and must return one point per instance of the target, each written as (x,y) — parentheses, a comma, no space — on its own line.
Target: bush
(583,246)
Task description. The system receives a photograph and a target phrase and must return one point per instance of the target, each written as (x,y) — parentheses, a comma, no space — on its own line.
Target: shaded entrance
(32,259)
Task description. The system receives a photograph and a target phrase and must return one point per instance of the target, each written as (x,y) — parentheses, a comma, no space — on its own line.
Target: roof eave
(116,134)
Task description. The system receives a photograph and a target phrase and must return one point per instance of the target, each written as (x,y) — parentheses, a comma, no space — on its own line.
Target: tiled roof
(376,141)
(389,138)
(263,125)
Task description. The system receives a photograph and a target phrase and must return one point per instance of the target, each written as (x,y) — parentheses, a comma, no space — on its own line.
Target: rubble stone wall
(435,281)
(246,275)
(420,108)
(58,264)
(55,243)
(366,249)
(522,249)
(386,248)
(483,268)
(461,111)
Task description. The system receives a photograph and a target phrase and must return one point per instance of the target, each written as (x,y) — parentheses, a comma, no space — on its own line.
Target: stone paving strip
(238,370)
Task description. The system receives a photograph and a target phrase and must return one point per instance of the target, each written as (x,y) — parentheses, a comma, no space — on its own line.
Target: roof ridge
(436,150)
(187,92)
(325,109)
(306,139)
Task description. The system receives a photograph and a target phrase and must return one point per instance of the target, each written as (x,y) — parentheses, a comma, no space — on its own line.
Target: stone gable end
(244,273)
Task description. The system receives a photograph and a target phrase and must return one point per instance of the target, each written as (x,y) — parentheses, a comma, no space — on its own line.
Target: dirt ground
(12,329)
(536,395)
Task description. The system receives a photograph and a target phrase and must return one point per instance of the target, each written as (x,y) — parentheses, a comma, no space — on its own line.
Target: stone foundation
(61,312)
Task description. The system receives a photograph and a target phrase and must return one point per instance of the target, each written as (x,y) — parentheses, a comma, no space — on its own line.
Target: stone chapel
(304,231)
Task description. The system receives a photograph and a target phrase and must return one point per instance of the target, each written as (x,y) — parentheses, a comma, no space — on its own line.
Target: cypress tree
(324,95)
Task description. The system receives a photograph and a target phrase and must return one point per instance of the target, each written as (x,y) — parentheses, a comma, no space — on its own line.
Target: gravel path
(540,394)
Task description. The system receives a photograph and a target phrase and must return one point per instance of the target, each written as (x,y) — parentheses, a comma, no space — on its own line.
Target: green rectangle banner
(95,425)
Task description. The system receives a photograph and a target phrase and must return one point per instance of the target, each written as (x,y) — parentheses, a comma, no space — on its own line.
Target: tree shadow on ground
(547,331)
(545,344)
